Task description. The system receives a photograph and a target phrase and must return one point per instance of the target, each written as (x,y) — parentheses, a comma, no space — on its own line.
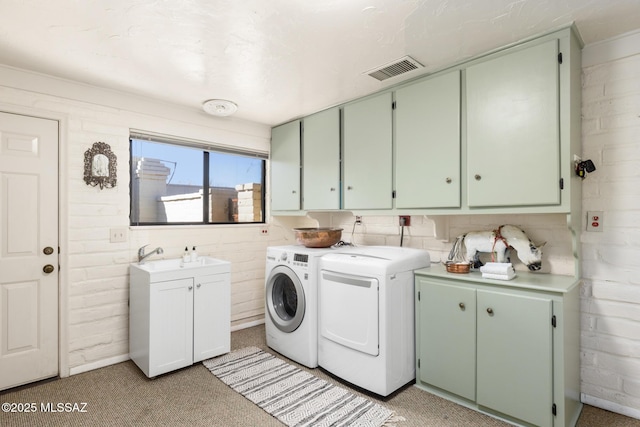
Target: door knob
(490,311)
(478,177)
(48,268)
(48,250)
(462,306)
(448,180)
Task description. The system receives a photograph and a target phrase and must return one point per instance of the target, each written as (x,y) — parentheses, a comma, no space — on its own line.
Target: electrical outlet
(358,220)
(118,235)
(407,220)
(594,220)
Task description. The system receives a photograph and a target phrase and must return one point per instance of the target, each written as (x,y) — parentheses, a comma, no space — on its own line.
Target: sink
(171,269)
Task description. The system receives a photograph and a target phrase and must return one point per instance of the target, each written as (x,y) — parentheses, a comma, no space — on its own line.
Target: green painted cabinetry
(507,348)
(321,160)
(427,143)
(513,129)
(368,153)
(285,167)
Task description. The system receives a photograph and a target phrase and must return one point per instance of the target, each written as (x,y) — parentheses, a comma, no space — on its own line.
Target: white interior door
(28,249)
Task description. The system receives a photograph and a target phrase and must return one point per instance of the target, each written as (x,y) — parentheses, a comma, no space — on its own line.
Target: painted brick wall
(95,285)
(610,338)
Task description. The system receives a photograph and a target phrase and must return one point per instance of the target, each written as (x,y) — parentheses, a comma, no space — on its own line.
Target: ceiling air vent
(400,66)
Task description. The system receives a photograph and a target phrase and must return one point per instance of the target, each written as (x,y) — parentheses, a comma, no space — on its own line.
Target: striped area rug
(294,396)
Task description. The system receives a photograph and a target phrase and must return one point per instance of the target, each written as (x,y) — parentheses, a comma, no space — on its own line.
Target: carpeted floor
(120,395)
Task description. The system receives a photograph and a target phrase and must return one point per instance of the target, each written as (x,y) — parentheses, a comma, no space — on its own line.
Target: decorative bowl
(458,267)
(322,237)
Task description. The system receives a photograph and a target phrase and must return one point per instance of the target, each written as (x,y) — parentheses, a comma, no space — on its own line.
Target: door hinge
(418,295)
(393,194)
(393,105)
(418,363)
(553,321)
(560,58)
(554,410)
(562,183)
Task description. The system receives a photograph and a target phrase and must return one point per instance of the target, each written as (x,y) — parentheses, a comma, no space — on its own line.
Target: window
(170,178)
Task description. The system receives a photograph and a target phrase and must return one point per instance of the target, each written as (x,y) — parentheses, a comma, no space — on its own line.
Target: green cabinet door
(513,131)
(285,167)
(368,153)
(446,344)
(428,143)
(321,160)
(515,358)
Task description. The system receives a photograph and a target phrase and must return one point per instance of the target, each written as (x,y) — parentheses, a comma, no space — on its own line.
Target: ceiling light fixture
(219,107)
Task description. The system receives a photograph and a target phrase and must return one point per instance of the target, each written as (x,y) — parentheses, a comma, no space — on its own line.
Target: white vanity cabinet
(285,167)
(178,316)
(507,348)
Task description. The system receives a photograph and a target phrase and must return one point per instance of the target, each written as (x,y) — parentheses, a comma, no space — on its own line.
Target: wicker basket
(458,267)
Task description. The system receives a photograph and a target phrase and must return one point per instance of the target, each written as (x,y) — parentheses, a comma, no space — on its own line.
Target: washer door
(285,299)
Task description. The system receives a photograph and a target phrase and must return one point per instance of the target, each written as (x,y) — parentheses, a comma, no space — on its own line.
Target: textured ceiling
(277,59)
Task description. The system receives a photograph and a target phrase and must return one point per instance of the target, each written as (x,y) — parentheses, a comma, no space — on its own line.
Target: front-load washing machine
(291,301)
(366,316)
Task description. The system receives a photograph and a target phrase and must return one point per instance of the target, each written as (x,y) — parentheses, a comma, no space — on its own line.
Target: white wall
(611,268)
(94,272)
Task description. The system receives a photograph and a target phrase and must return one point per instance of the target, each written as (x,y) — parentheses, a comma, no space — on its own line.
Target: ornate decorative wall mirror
(100,166)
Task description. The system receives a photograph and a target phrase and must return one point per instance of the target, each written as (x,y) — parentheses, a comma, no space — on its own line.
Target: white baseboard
(124,357)
(610,406)
(99,364)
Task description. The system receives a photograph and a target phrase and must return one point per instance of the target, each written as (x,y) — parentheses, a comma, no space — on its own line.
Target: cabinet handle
(349,188)
(198,285)
(477,177)
(462,306)
(293,191)
(490,311)
(190,287)
(448,180)
(332,189)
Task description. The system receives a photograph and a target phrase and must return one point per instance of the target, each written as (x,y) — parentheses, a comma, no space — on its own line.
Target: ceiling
(277,59)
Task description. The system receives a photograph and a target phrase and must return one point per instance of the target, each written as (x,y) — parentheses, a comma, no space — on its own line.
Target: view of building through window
(169,183)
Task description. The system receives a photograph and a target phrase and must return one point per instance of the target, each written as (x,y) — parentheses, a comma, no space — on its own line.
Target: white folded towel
(507,276)
(497,268)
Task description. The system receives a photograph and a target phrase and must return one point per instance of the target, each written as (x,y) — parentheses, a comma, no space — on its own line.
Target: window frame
(205,148)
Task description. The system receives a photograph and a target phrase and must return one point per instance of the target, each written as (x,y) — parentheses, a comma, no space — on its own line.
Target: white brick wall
(95,285)
(610,338)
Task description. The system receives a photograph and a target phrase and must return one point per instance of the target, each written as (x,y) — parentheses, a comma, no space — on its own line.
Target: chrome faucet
(142,255)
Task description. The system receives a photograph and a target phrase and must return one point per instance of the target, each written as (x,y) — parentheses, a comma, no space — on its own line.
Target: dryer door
(349,313)
(284,298)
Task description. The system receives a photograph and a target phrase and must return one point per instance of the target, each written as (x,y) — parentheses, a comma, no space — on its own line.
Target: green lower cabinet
(508,349)
(515,356)
(447,342)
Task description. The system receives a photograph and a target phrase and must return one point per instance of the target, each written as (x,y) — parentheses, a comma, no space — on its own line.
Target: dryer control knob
(283,257)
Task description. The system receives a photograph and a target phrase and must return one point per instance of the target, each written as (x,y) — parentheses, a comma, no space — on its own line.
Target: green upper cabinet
(285,167)
(368,153)
(513,129)
(428,143)
(321,160)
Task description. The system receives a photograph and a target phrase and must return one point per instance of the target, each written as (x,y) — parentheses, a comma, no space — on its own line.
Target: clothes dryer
(366,316)
(291,301)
